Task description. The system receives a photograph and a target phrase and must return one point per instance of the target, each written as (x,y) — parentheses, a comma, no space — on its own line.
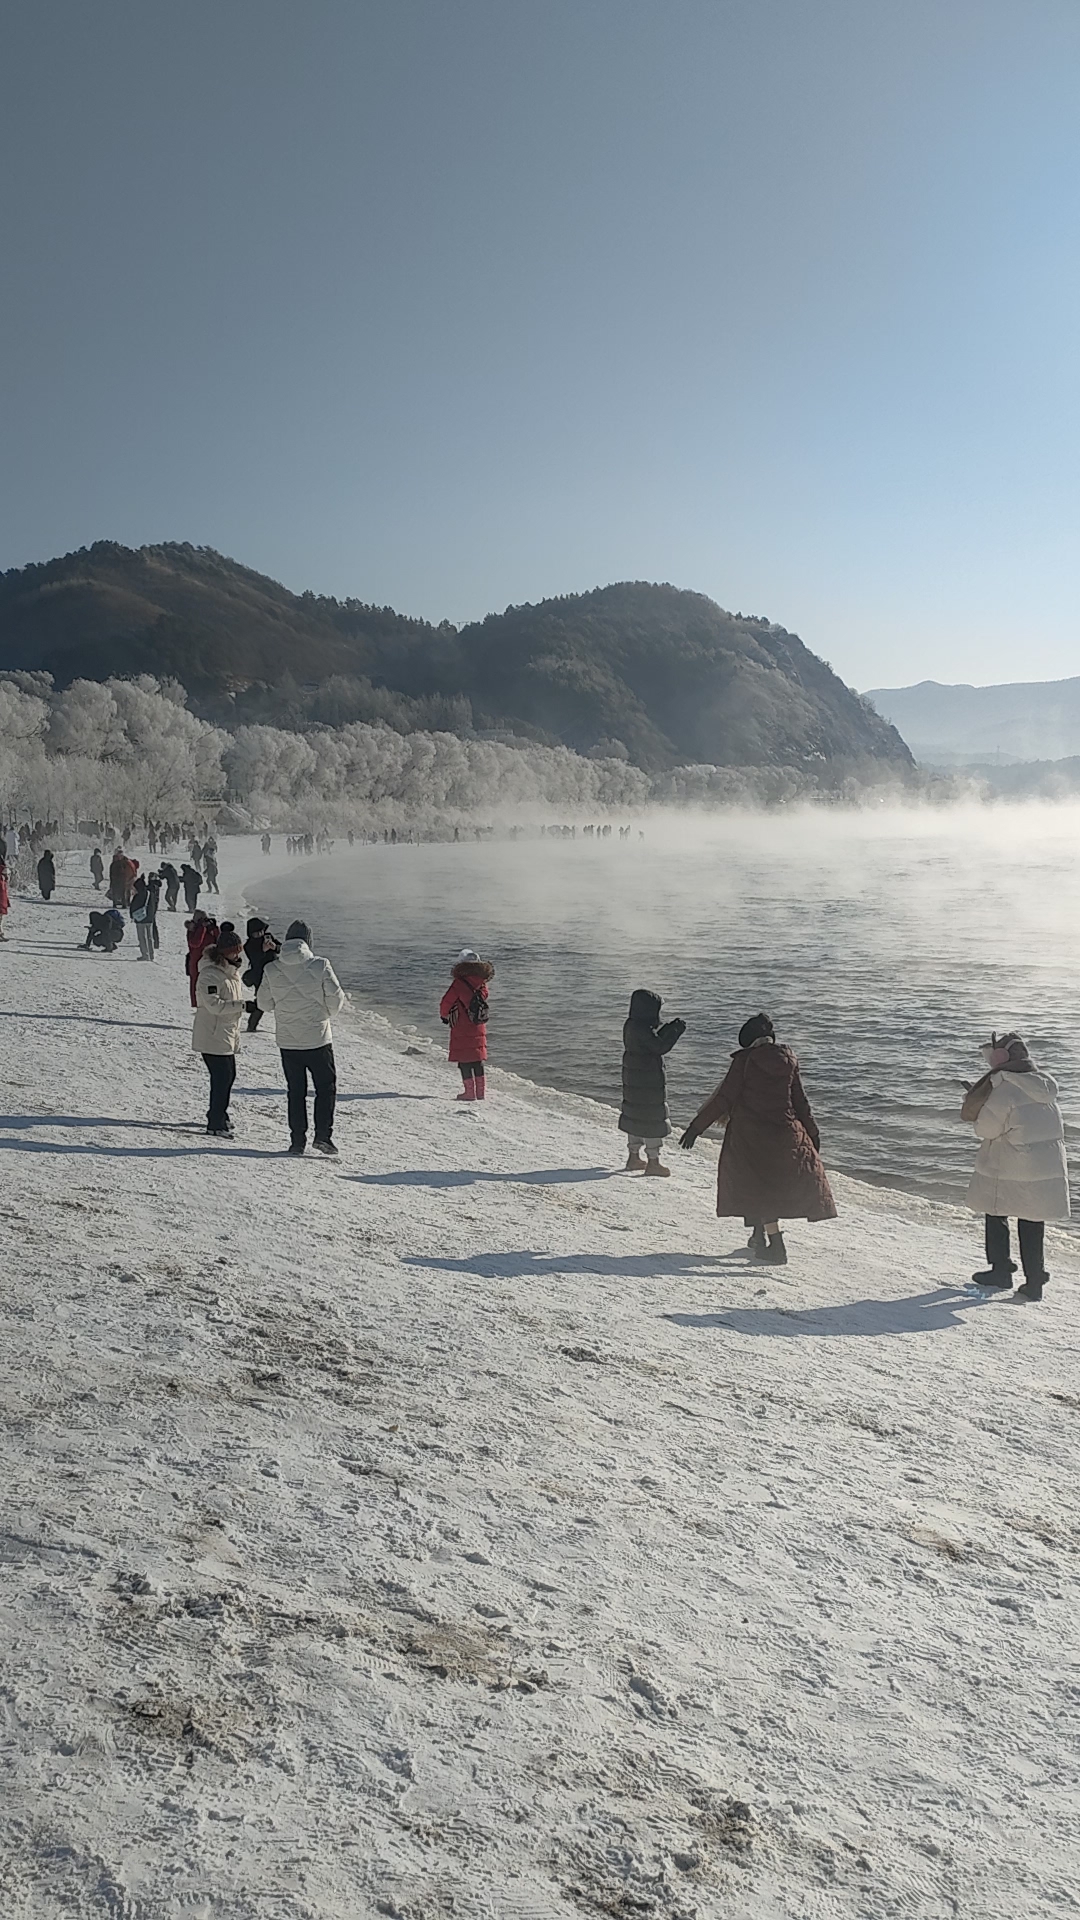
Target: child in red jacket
(464,1009)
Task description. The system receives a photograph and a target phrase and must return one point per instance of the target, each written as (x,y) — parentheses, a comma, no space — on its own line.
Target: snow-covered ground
(463,1528)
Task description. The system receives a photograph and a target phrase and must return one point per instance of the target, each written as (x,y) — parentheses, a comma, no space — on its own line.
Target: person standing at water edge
(219,1009)
(1020,1169)
(770,1166)
(302,991)
(464,1009)
(644,1117)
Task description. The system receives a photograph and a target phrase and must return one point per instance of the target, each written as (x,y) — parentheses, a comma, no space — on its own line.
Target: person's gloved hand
(689,1138)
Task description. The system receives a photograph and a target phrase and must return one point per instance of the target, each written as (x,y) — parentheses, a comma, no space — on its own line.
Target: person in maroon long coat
(770,1167)
(464,1009)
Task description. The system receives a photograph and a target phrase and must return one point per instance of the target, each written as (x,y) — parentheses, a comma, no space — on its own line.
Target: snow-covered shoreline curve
(464,1528)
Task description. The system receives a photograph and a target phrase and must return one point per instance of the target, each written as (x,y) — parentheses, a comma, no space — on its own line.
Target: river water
(884,945)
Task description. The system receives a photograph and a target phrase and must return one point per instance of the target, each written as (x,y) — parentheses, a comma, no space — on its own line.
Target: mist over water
(885,945)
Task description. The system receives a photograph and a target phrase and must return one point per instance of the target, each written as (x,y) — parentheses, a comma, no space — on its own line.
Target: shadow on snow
(443,1177)
(931,1312)
(526,1264)
(96,1020)
(279,1093)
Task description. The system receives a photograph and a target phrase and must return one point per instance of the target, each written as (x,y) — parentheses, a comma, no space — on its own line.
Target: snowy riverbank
(463,1528)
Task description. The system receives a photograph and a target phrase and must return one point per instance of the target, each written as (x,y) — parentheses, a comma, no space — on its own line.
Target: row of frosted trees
(127,750)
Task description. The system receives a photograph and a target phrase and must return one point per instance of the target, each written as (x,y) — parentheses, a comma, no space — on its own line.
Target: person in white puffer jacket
(302,990)
(1021,1170)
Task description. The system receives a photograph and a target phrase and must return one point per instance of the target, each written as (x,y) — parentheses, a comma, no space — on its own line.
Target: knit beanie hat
(759,1028)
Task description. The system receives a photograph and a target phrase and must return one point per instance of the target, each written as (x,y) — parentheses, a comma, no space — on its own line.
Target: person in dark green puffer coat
(644,1115)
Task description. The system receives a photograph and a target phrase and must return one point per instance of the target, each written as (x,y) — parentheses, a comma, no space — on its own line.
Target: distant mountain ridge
(1015,721)
(652,673)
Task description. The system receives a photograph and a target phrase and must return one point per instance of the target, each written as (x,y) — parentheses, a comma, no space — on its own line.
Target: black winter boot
(1031,1290)
(757,1245)
(775,1254)
(996,1279)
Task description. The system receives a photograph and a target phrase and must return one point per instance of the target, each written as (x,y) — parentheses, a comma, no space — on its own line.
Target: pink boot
(467,1091)
(480,1087)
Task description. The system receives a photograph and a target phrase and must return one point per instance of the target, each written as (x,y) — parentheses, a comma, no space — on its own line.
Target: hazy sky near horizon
(448,304)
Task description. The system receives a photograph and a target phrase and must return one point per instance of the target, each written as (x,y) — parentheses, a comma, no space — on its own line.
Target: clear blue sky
(453,303)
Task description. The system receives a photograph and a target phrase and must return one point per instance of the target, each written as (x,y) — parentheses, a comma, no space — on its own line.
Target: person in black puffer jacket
(260,947)
(644,1115)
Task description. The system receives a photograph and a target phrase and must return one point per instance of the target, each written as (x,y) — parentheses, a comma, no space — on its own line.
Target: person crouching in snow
(464,1009)
(644,1115)
(219,1009)
(770,1167)
(1020,1168)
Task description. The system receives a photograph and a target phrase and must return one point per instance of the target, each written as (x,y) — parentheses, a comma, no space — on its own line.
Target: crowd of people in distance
(309,843)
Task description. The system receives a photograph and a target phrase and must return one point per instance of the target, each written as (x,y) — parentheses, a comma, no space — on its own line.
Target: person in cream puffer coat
(219,1009)
(1020,1170)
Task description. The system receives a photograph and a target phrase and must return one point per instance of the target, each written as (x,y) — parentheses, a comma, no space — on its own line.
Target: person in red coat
(464,1009)
(202,933)
(770,1168)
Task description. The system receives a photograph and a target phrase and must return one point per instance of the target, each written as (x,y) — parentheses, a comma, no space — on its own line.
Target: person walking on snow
(644,1116)
(192,881)
(219,1009)
(172,884)
(464,1009)
(302,992)
(770,1166)
(1020,1169)
(97,869)
(46,875)
(210,868)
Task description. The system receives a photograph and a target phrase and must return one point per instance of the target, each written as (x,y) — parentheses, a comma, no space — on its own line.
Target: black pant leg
(222,1070)
(1031,1235)
(998,1252)
(324,1079)
(294,1066)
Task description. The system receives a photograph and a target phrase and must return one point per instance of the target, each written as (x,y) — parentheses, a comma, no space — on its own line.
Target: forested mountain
(650,673)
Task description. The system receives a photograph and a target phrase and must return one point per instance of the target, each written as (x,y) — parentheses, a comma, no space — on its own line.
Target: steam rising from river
(884,943)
